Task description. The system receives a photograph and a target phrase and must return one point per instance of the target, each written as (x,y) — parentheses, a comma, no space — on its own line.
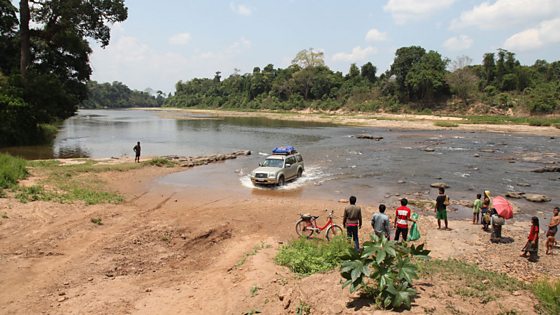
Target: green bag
(414,230)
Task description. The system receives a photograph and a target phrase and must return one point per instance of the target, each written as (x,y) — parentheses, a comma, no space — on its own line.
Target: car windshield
(273,163)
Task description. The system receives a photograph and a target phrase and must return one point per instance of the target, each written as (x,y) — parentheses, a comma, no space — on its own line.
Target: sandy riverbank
(378,120)
(169,251)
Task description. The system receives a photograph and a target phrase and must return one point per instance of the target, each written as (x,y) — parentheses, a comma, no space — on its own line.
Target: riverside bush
(384,270)
(308,256)
(12,169)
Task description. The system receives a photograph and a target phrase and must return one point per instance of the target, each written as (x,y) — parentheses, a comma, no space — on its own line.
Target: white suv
(277,169)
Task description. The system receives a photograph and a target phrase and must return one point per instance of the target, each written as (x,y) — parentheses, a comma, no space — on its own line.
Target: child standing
(476,209)
(532,245)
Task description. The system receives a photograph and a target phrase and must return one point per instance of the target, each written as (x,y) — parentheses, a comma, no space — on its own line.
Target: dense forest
(418,80)
(44,61)
(118,95)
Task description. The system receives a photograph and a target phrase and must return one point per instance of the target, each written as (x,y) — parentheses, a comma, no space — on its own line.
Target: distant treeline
(118,95)
(417,80)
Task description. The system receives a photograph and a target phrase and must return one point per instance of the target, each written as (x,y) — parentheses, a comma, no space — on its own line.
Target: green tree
(405,59)
(8,32)
(308,58)
(368,72)
(462,80)
(353,72)
(426,78)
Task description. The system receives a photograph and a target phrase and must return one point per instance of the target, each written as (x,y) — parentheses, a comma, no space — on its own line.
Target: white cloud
(408,10)
(357,54)
(180,39)
(241,9)
(506,13)
(374,35)
(547,32)
(458,43)
(138,65)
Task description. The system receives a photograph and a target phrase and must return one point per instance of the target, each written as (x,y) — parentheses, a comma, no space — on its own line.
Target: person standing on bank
(353,221)
(137,150)
(380,223)
(442,201)
(401,220)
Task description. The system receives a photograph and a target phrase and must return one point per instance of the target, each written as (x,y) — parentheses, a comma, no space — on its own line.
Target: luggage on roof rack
(284,150)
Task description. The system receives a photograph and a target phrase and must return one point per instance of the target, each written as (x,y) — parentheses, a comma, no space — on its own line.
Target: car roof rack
(284,150)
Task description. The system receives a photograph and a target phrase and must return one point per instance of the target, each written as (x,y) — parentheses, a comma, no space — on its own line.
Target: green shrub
(539,122)
(548,293)
(446,124)
(12,169)
(305,257)
(384,269)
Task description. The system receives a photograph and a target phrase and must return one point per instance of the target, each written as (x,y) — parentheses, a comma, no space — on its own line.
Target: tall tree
(426,78)
(308,58)
(405,59)
(368,72)
(353,72)
(462,80)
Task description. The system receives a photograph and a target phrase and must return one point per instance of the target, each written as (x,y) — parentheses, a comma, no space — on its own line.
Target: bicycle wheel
(302,228)
(334,230)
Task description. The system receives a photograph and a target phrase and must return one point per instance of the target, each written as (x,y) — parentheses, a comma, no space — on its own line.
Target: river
(337,163)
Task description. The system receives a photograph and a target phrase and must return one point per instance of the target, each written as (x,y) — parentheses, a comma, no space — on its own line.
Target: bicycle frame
(313,224)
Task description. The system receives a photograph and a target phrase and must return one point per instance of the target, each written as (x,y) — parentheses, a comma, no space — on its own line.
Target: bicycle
(307,225)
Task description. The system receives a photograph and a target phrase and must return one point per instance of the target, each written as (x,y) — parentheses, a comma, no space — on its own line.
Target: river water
(337,163)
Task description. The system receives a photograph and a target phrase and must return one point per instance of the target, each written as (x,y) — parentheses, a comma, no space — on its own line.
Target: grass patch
(33,193)
(508,120)
(252,252)
(12,169)
(161,162)
(472,282)
(306,257)
(73,182)
(548,293)
(446,124)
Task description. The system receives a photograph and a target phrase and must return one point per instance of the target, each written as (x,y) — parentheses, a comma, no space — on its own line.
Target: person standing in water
(137,150)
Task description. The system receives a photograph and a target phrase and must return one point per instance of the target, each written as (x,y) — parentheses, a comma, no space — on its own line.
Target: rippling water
(337,163)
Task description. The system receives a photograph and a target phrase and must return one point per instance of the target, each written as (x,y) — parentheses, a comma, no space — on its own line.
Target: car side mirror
(260,164)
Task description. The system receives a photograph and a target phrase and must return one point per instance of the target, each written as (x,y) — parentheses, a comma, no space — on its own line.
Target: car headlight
(271,175)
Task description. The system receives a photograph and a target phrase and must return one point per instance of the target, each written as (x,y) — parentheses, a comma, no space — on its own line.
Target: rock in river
(368,136)
(547,169)
(536,198)
(514,195)
(439,184)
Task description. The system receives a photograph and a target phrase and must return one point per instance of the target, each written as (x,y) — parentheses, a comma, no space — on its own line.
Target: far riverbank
(380,120)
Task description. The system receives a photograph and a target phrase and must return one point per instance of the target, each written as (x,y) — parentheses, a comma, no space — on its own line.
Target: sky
(165,41)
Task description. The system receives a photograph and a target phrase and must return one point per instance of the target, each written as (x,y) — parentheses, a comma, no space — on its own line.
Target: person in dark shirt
(137,150)
(353,221)
(442,201)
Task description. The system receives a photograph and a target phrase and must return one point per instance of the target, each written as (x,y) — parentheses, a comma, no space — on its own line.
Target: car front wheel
(281,181)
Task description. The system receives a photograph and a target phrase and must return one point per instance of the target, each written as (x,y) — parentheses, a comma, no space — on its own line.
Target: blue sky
(170,40)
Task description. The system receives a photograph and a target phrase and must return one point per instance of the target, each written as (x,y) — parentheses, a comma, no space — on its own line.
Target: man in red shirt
(401,220)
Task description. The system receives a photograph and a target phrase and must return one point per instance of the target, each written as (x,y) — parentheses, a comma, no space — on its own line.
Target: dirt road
(168,251)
